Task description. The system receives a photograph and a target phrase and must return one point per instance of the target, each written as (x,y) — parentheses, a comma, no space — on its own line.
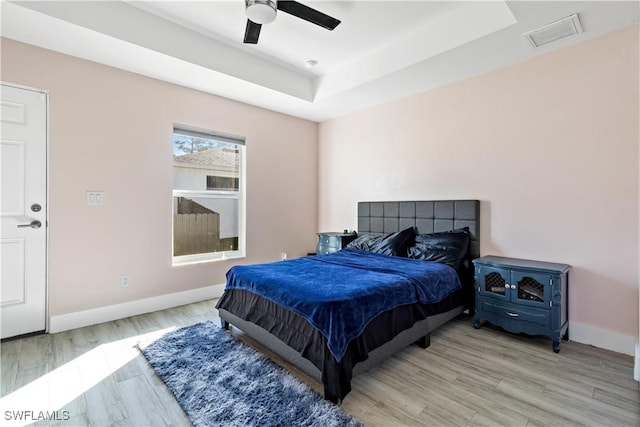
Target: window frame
(239,195)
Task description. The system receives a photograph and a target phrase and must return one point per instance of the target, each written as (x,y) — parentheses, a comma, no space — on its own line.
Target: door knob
(34,224)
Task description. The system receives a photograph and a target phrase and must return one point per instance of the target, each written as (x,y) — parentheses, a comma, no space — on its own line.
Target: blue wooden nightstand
(523,296)
(333,242)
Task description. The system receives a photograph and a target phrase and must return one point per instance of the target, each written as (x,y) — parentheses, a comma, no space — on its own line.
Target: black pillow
(394,244)
(449,247)
(364,242)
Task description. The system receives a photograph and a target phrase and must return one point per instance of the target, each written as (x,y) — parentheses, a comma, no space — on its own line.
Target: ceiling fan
(264,11)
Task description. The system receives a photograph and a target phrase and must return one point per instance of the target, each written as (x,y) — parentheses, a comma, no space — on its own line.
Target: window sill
(195,259)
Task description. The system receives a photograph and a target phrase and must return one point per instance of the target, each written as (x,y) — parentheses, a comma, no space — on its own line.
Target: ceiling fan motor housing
(261,11)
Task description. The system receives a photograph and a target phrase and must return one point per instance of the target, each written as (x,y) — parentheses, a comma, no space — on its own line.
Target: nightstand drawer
(324,250)
(515,313)
(330,240)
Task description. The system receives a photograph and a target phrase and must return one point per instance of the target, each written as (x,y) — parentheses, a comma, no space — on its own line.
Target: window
(208,196)
(222,183)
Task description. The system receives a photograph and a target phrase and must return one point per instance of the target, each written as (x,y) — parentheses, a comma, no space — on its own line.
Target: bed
(299,323)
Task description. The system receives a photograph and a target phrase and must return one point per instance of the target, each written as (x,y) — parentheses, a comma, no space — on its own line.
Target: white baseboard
(78,319)
(598,337)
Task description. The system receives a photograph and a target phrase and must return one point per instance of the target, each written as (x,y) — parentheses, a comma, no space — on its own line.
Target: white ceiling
(382,50)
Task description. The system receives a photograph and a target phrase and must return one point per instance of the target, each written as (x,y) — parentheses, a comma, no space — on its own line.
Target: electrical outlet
(283,256)
(124,280)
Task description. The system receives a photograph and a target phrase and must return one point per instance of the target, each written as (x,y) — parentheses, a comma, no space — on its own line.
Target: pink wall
(111,131)
(549,146)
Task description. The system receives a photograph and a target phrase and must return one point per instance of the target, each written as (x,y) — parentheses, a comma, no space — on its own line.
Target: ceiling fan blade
(252,32)
(308,14)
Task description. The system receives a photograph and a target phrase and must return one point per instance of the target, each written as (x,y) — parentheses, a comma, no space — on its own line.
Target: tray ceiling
(382,50)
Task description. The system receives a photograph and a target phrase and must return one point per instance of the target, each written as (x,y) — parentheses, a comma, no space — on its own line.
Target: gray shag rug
(219,381)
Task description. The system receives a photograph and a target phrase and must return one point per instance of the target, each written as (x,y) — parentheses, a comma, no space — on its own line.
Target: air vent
(566,27)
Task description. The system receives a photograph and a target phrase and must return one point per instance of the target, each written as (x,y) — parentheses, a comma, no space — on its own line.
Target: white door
(23,210)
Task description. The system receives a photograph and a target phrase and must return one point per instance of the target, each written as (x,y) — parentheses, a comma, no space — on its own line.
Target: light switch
(95,198)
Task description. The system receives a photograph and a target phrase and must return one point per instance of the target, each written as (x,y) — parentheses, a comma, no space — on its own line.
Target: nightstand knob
(513,286)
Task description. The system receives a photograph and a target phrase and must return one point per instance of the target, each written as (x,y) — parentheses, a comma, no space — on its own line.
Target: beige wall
(111,131)
(549,146)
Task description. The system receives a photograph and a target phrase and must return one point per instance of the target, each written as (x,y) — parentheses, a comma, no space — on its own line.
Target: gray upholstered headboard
(425,216)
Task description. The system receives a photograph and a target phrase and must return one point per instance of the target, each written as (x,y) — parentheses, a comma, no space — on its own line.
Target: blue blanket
(341,293)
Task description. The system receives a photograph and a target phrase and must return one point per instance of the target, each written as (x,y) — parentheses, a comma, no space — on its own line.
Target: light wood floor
(466,377)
